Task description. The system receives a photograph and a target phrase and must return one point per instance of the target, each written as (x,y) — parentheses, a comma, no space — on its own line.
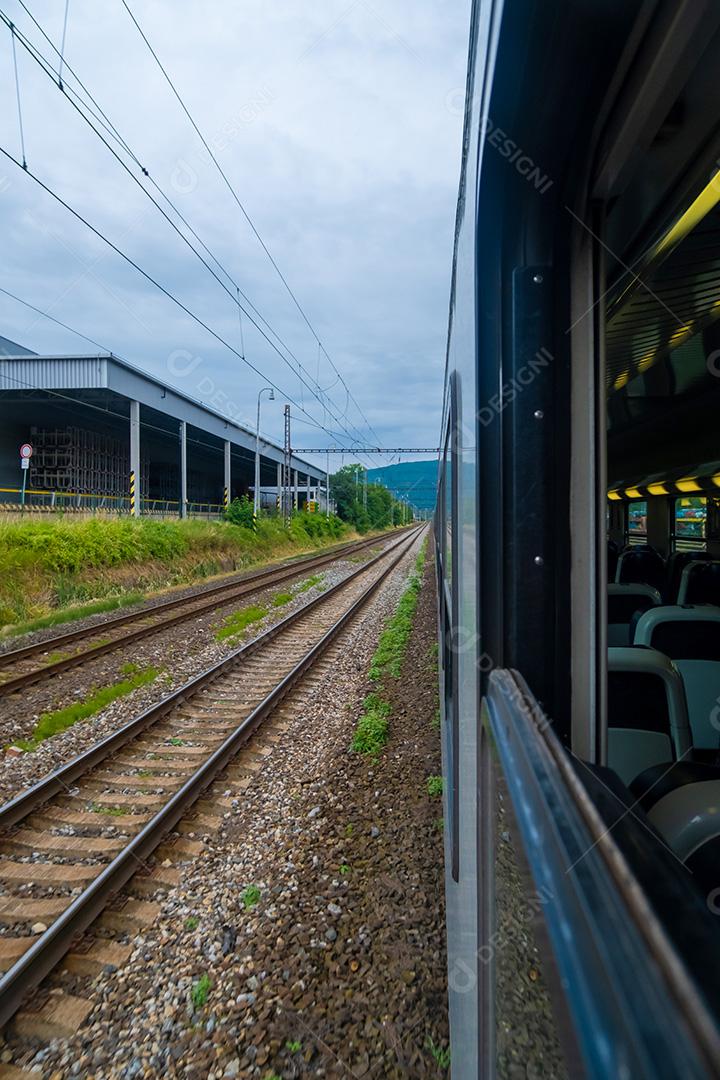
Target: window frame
(702,542)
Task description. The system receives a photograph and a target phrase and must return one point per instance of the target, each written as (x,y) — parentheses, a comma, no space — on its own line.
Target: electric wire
(245,214)
(47,68)
(17,95)
(112,354)
(62,45)
(166,292)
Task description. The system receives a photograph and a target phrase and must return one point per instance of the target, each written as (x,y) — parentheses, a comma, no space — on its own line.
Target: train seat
(682,803)
(641,565)
(690,637)
(624,602)
(647,713)
(700,583)
(674,568)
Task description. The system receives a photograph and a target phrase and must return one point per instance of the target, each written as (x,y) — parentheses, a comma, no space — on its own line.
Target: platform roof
(104,371)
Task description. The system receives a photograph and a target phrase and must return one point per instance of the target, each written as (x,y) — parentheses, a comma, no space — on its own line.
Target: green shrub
(241,512)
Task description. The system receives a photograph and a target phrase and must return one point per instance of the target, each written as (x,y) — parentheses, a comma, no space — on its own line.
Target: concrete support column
(307,489)
(183,469)
(135,491)
(295,489)
(279,487)
(227,482)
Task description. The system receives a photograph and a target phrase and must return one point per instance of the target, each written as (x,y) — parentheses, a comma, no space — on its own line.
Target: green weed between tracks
(371,733)
(282,598)
(310,583)
(50,723)
(233,625)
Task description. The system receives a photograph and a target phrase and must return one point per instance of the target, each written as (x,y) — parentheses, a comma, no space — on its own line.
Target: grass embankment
(371,732)
(58,568)
(50,723)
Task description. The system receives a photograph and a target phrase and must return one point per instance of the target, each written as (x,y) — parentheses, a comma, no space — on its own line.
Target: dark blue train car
(582,779)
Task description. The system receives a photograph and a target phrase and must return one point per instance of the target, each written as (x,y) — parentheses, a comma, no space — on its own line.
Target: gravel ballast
(179,654)
(338,969)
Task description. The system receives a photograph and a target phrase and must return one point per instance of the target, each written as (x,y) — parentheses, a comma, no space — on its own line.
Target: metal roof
(11,348)
(104,371)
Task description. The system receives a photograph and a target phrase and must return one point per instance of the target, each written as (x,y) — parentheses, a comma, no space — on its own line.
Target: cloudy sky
(339,127)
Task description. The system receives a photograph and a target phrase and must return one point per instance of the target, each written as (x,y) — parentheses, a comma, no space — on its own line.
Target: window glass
(637,521)
(690,524)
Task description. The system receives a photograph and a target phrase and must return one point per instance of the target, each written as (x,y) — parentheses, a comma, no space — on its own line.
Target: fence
(38,501)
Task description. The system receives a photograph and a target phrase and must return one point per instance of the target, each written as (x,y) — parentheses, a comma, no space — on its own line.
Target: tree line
(366,506)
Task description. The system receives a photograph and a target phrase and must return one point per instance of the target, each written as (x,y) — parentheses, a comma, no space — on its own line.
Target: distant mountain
(415,479)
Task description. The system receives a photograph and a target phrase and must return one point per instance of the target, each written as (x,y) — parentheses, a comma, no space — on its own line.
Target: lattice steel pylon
(287,474)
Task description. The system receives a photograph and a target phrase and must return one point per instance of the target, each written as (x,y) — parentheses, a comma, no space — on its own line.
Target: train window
(637,522)
(689,529)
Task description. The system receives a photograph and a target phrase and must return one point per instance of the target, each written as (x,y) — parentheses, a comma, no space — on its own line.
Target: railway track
(29,664)
(71,843)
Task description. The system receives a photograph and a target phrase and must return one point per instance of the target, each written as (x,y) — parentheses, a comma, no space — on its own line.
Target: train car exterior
(578,945)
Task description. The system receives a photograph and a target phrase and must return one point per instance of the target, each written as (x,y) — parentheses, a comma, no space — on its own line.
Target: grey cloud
(344,153)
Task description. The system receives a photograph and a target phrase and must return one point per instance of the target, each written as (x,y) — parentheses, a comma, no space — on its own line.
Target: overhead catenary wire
(242,342)
(113,133)
(111,130)
(62,46)
(112,353)
(162,289)
(103,119)
(131,262)
(245,214)
(52,318)
(17,96)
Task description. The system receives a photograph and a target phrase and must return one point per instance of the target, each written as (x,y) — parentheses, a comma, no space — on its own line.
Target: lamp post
(256,499)
(327,484)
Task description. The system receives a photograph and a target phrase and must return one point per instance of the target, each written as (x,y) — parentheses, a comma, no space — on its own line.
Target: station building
(92,421)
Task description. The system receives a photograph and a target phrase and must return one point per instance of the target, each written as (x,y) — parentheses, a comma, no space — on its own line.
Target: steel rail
(206,599)
(46,952)
(62,779)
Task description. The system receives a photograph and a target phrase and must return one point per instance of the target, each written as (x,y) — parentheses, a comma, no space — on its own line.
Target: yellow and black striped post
(132,493)
(226,498)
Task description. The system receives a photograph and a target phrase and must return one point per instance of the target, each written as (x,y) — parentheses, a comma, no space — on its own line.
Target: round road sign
(26,450)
